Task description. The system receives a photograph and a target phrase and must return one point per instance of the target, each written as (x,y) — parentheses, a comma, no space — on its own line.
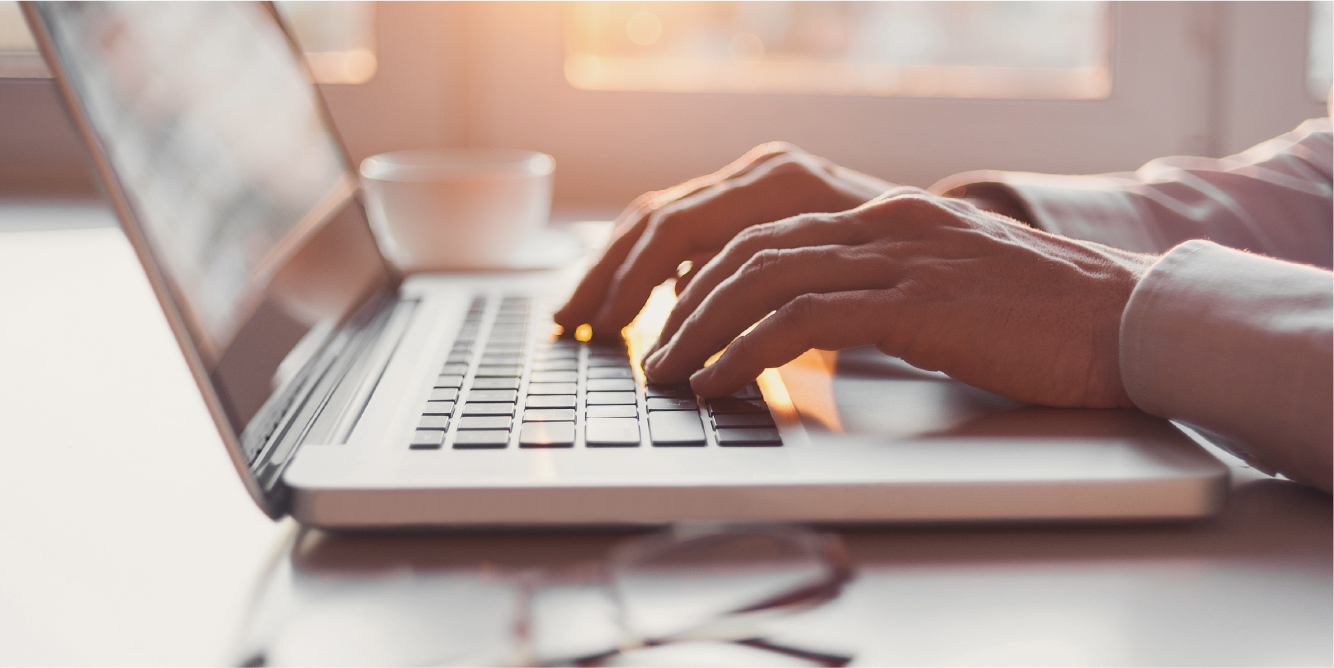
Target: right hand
(694,221)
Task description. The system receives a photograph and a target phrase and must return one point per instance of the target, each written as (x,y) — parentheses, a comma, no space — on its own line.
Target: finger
(795,232)
(697,263)
(584,303)
(769,280)
(706,221)
(826,322)
(740,167)
(588,296)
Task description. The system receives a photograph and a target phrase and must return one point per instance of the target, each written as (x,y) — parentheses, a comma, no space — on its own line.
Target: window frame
(1199,80)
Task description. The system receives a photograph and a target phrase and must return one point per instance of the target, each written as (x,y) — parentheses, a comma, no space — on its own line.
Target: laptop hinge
(333,389)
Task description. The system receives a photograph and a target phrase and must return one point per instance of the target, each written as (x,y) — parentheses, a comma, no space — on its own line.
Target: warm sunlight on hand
(935,281)
(694,220)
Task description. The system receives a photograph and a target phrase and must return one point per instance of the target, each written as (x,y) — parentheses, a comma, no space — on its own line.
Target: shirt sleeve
(1274,199)
(1236,344)
(1241,347)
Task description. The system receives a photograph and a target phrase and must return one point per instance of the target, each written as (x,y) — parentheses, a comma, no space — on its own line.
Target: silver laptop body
(320,364)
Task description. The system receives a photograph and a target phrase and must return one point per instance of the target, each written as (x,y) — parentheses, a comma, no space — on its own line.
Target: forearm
(1273,199)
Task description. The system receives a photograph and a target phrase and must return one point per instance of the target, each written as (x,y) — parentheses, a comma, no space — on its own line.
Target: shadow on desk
(1251,586)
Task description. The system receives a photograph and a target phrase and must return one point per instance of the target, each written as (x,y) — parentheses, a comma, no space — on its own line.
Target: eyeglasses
(690,584)
(700,593)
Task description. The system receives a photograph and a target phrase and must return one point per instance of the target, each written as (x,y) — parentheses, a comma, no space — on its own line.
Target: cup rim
(432,164)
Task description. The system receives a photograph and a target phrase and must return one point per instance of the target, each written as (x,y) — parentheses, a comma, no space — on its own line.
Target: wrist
(993,197)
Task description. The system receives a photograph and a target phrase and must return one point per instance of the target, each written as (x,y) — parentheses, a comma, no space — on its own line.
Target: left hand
(935,281)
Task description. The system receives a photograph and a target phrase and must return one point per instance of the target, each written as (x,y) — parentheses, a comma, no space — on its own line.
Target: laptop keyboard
(502,386)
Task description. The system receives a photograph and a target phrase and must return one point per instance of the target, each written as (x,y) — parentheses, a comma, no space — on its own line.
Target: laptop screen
(237,187)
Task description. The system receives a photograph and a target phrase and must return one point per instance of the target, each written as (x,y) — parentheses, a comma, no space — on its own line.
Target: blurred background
(632,96)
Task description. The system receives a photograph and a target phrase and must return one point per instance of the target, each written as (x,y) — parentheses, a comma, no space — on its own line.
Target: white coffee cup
(456,209)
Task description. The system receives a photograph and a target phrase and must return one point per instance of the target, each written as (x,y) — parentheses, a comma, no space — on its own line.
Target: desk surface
(128,539)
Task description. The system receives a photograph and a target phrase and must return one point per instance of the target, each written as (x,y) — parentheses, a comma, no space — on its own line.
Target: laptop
(351,396)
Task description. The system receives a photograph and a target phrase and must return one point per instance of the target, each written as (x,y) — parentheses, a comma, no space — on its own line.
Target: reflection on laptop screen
(217,140)
(233,179)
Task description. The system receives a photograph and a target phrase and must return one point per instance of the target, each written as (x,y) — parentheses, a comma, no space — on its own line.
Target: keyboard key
(493,396)
(551,388)
(743,420)
(498,360)
(678,390)
(557,354)
(548,415)
(453,369)
(457,358)
(675,428)
(506,371)
(611,372)
(451,380)
(567,364)
(555,376)
(751,391)
(484,422)
(612,412)
(488,409)
(672,404)
(610,398)
(507,348)
(440,422)
(608,362)
(488,439)
(439,408)
(547,435)
(611,385)
(749,437)
(551,401)
(495,384)
(427,439)
(611,432)
(444,394)
(727,405)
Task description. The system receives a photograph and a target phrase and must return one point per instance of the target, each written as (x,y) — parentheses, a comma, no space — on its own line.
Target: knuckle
(790,165)
(756,265)
(662,218)
(645,201)
(776,148)
(800,316)
(753,236)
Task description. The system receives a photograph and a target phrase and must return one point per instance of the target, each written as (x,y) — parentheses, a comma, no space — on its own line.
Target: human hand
(935,281)
(694,220)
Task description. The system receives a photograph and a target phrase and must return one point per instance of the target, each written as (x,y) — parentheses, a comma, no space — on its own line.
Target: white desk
(126,538)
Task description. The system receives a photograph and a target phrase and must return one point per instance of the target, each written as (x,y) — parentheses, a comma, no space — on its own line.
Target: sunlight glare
(644,28)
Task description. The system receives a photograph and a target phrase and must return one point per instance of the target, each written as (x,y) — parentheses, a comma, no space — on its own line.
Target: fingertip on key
(569,316)
(651,361)
(699,381)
